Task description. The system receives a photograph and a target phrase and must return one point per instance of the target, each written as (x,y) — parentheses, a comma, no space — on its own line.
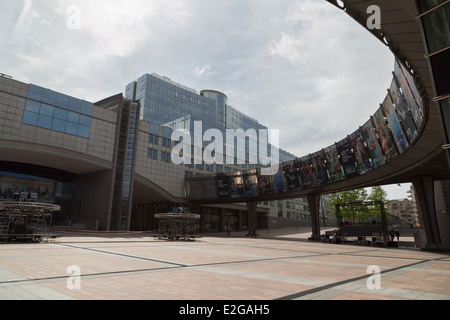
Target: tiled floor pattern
(217,268)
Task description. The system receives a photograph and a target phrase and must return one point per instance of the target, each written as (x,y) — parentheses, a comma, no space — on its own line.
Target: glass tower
(165,103)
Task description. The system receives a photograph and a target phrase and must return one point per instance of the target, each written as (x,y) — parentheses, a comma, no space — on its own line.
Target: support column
(424,186)
(239,221)
(251,211)
(314,210)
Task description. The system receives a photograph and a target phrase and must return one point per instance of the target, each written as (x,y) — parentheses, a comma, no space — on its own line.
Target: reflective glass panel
(58,125)
(83,131)
(75,104)
(35,92)
(47,110)
(62,100)
(32,106)
(73,117)
(60,114)
(437,28)
(30,118)
(44,121)
(86,108)
(49,96)
(71,128)
(426,5)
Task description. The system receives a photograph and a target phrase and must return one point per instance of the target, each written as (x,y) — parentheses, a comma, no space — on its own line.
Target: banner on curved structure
(394,124)
(403,114)
(236,184)
(360,152)
(372,144)
(280,183)
(223,185)
(387,142)
(250,183)
(291,176)
(305,170)
(266,183)
(320,173)
(410,92)
(344,149)
(333,164)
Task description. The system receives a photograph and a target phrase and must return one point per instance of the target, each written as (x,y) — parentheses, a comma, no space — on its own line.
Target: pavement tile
(217,268)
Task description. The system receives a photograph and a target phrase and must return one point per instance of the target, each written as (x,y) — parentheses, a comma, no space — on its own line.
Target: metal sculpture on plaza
(178,225)
(26,221)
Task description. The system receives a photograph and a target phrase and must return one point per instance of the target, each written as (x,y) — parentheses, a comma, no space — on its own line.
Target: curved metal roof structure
(401,32)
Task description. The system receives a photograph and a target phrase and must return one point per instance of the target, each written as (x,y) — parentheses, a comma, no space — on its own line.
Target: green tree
(378,194)
(350,196)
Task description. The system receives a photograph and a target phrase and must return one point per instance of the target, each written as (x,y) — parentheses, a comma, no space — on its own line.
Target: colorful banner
(387,142)
(320,173)
(360,152)
(266,183)
(410,92)
(373,146)
(291,176)
(223,185)
(305,170)
(348,161)
(237,184)
(333,164)
(394,124)
(250,183)
(403,114)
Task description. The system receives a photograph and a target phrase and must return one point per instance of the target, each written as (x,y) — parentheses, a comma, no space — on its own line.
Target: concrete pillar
(223,220)
(424,186)
(239,221)
(314,209)
(251,211)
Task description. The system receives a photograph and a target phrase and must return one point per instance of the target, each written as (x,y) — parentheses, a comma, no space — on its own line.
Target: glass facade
(168,106)
(437,28)
(435,18)
(58,112)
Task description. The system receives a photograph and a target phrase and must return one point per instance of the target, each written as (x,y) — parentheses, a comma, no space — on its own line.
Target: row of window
(59,100)
(166,156)
(57,119)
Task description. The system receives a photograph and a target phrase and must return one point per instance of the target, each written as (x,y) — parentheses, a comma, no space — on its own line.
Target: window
(30,118)
(48,109)
(165,156)
(437,28)
(152,153)
(153,138)
(426,5)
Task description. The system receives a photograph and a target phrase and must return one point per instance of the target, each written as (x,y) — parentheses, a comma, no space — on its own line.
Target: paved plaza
(274,266)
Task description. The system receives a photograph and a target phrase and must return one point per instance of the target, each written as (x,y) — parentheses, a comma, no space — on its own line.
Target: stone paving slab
(140,267)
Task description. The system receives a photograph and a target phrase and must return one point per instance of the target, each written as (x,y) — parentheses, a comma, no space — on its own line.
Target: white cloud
(303,67)
(198,71)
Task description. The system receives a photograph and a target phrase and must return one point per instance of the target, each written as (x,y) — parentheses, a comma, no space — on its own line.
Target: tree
(350,196)
(359,213)
(378,194)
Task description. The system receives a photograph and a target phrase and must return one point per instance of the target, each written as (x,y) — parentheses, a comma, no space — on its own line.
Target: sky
(303,67)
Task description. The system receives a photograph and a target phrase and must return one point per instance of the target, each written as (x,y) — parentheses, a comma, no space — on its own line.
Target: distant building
(406,210)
